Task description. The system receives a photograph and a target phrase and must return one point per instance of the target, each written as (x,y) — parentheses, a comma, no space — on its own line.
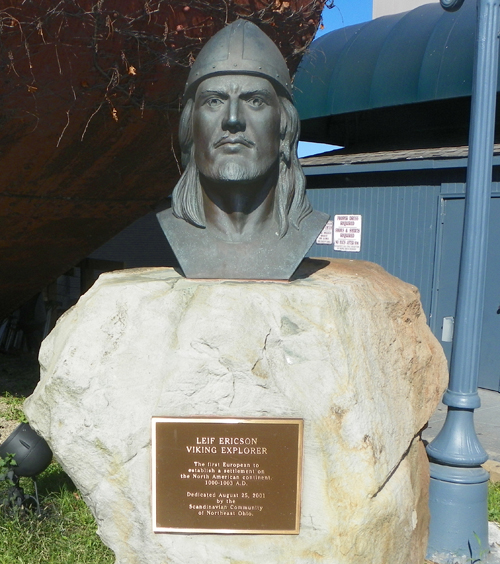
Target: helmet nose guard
(240,48)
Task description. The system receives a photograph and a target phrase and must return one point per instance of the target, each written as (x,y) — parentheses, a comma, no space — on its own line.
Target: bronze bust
(240,210)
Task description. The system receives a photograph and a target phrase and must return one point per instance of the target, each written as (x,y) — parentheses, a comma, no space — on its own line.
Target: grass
(12,407)
(64,533)
(494,502)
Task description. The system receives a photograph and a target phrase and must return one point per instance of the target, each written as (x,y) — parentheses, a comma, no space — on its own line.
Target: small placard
(218,475)
(347,233)
(326,236)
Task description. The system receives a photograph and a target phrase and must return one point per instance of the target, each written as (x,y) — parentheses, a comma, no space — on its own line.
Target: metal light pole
(459,486)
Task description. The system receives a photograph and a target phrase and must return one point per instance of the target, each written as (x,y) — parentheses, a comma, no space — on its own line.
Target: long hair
(291,202)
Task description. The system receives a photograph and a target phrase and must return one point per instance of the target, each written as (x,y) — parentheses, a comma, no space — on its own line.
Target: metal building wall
(398,232)
(414,232)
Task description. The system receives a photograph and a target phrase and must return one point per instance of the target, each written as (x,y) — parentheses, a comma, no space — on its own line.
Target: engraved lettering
(243,450)
(202,449)
(235,465)
(237,441)
(222,477)
(205,440)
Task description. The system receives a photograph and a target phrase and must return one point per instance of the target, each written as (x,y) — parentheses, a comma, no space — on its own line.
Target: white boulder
(344,346)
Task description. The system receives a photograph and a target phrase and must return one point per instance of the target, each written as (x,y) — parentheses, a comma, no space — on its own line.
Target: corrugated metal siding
(399,229)
(449,188)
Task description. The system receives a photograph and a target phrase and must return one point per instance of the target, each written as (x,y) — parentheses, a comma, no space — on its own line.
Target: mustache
(234,139)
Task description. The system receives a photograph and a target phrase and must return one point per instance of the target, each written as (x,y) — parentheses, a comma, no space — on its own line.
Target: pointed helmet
(240,48)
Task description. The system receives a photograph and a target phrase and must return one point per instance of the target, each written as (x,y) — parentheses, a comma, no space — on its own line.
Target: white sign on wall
(326,236)
(347,233)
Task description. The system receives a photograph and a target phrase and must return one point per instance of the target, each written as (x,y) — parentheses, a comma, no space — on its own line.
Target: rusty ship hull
(89,107)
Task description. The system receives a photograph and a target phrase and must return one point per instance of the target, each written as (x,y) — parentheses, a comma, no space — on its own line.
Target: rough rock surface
(344,346)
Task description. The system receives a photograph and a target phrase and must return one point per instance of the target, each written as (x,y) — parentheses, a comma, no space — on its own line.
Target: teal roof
(417,56)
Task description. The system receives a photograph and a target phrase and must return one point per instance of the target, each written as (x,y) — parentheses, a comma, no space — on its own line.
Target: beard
(236,172)
(246,167)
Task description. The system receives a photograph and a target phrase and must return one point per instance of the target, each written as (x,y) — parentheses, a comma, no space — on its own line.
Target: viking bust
(240,209)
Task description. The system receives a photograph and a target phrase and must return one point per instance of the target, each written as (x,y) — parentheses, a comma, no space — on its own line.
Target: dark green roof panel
(417,56)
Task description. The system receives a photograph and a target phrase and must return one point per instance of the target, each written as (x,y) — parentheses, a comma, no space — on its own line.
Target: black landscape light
(31,452)
(32,455)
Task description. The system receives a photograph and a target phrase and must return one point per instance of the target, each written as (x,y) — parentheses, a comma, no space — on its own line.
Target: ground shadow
(19,374)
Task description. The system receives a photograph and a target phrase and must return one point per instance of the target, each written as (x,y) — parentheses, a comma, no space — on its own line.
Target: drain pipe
(459,485)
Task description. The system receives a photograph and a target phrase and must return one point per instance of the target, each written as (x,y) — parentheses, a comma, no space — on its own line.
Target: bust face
(236,128)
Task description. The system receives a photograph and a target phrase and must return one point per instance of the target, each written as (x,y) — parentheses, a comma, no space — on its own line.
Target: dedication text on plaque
(226,475)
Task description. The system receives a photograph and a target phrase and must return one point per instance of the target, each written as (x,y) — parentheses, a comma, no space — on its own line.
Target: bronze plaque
(220,475)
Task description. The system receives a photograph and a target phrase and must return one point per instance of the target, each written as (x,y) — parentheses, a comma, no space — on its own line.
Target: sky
(344,13)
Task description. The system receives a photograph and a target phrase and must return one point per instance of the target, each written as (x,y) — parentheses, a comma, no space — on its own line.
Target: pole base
(458,503)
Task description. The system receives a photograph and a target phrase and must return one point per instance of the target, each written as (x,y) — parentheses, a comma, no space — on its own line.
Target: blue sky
(344,13)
